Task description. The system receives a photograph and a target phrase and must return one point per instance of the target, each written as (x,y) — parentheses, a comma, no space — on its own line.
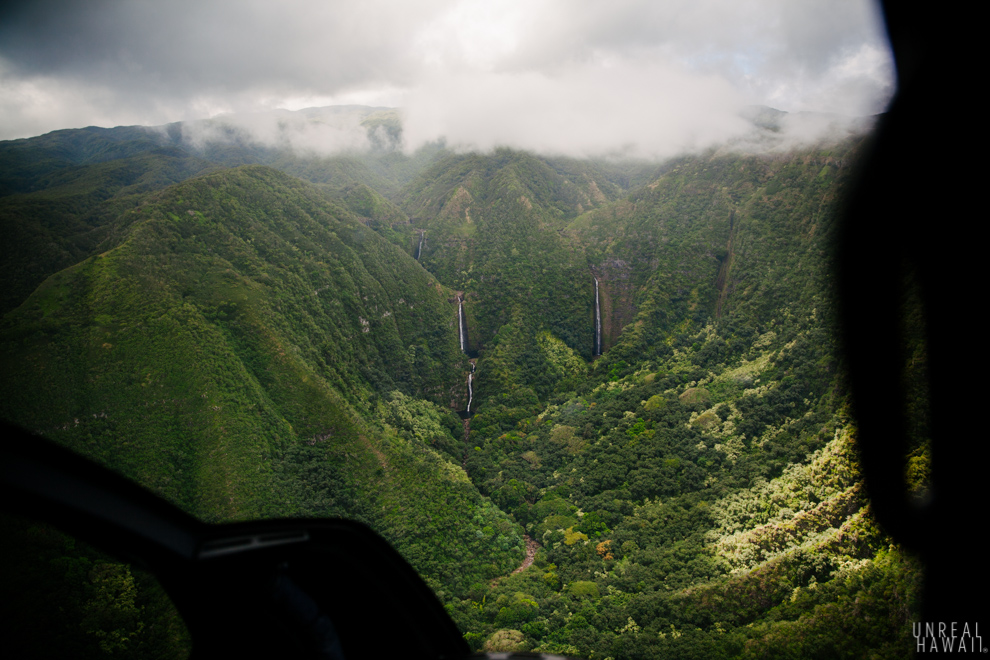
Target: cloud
(623,107)
(161,62)
(186,48)
(313,131)
(573,76)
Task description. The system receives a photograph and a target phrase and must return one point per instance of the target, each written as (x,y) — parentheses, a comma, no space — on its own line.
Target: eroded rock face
(505,641)
(616,294)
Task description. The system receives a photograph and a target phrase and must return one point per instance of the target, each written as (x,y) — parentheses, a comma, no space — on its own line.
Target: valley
(598,405)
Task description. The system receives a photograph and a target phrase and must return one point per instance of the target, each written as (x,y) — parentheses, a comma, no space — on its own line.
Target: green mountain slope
(73,211)
(696,491)
(742,240)
(492,228)
(26,164)
(230,354)
(63,194)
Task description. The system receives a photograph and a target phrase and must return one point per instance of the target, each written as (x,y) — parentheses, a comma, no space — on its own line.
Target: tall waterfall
(460,322)
(598,322)
(419,250)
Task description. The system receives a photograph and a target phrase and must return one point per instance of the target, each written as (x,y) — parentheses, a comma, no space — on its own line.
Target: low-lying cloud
(624,108)
(310,132)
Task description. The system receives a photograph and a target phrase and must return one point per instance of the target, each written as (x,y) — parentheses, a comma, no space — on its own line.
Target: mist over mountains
(279,314)
(331,130)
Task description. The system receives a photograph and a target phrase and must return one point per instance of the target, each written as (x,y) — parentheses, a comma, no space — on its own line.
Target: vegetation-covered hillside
(246,344)
(249,350)
(694,489)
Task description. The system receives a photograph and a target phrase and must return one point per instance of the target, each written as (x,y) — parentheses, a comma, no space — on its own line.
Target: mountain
(245,332)
(252,330)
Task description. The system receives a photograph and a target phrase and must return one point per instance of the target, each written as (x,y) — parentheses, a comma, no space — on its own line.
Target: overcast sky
(576,76)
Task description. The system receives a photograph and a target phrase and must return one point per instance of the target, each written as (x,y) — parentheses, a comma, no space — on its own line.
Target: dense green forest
(250,332)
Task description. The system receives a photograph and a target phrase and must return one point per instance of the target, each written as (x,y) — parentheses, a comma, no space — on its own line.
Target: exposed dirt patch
(531,548)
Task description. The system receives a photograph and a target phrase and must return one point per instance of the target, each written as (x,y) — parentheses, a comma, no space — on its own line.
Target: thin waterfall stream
(470,387)
(598,322)
(460,322)
(419,250)
(462,335)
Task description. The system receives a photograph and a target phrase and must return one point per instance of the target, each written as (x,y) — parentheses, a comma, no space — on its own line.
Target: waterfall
(598,322)
(470,387)
(462,332)
(460,322)
(419,250)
